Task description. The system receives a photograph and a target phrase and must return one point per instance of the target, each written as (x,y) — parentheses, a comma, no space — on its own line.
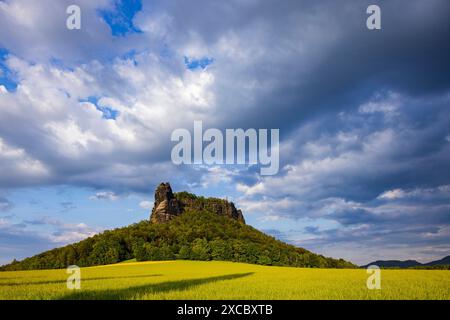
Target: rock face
(166,206)
(169,205)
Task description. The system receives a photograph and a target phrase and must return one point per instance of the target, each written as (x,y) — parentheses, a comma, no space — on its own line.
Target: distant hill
(443,261)
(409,263)
(182,226)
(394,264)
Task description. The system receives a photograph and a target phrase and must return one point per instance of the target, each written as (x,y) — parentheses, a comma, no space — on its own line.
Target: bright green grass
(222,280)
(128,261)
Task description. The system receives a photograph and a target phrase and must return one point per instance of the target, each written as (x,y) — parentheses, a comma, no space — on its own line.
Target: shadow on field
(136,291)
(83,280)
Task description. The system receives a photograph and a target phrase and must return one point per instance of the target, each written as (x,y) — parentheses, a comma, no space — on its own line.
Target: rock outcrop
(169,205)
(166,205)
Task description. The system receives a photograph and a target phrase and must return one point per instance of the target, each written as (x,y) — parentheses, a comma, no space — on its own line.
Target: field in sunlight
(222,280)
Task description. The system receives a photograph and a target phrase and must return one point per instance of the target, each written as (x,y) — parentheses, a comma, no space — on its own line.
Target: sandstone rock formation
(166,206)
(169,205)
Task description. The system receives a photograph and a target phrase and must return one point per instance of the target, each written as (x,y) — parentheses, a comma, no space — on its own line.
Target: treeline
(191,236)
(435,267)
(423,267)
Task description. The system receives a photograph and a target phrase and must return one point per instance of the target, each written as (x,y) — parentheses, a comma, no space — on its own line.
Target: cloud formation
(363,115)
(20,238)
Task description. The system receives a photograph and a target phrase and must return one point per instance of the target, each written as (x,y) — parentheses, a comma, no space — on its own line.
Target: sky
(86,118)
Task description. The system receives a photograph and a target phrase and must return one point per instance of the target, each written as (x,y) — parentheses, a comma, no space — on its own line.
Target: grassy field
(222,280)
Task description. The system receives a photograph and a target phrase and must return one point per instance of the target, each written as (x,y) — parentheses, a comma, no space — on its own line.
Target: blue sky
(120,16)
(6,76)
(201,63)
(86,118)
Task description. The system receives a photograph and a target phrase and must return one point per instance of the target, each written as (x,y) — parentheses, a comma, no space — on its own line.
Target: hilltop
(182,226)
(168,205)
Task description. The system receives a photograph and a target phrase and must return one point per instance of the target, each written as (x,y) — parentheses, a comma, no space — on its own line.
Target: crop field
(222,280)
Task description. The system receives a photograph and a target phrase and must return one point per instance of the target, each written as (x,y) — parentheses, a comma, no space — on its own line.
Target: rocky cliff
(169,205)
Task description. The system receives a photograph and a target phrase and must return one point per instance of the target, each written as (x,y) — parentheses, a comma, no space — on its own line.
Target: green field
(222,280)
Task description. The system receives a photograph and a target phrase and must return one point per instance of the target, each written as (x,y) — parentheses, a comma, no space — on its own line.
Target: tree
(220,250)
(165,252)
(139,252)
(200,250)
(105,252)
(264,260)
(184,253)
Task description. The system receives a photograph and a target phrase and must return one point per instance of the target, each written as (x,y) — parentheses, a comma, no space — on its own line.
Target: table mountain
(182,226)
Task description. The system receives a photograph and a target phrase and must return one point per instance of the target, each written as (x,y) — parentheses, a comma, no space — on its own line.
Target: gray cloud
(28,237)
(324,62)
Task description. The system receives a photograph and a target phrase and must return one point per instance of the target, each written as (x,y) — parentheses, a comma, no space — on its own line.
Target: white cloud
(18,165)
(72,236)
(271,207)
(257,188)
(147,205)
(104,195)
(215,175)
(49,230)
(417,193)
(309,175)
(66,233)
(392,194)
(387,104)
(270,218)
(72,134)
(37,29)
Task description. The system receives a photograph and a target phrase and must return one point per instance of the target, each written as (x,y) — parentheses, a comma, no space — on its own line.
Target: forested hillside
(194,235)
